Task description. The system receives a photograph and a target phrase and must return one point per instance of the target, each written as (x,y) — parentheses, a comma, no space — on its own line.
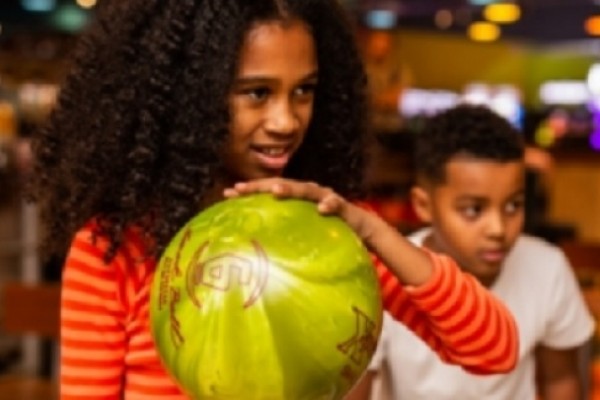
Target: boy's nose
(282,119)
(496,226)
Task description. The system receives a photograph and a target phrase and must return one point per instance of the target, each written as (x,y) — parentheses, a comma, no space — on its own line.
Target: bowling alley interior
(536,63)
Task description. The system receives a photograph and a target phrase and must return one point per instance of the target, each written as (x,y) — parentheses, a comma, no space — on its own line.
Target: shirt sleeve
(464,323)
(92,324)
(570,322)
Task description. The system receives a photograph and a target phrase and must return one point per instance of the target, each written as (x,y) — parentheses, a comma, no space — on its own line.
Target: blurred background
(536,62)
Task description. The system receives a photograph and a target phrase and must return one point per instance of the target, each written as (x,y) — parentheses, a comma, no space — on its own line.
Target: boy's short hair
(471,130)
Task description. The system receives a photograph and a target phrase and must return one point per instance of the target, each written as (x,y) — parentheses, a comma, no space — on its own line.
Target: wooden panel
(31,309)
(24,388)
(582,255)
(575,197)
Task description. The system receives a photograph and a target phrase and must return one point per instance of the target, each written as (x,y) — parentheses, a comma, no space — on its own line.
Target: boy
(470,190)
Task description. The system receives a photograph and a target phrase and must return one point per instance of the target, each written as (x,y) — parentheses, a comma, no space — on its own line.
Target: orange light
(592,25)
(443,19)
(502,13)
(483,31)
(86,3)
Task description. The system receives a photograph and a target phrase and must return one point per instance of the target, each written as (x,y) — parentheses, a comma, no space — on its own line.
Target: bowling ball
(260,298)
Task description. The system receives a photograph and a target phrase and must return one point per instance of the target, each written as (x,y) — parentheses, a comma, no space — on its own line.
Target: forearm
(406,261)
(457,317)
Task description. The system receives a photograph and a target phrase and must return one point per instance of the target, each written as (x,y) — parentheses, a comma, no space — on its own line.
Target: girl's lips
(273,161)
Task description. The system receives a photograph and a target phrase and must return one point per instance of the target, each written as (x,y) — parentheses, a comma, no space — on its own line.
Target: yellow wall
(450,61)
(575,197)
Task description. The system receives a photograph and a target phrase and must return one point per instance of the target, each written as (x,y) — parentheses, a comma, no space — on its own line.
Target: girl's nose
(282,119)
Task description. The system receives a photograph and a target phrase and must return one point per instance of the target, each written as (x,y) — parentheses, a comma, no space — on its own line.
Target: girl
(168,105)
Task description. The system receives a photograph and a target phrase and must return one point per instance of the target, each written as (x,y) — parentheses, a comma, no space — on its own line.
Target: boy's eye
(471,212)
(512,207)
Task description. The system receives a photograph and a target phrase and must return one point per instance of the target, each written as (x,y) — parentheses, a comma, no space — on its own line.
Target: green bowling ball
(257,298)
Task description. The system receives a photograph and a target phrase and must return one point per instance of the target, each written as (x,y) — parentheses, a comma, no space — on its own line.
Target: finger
(306,190)
(257,186)
(331,204)
(230,193)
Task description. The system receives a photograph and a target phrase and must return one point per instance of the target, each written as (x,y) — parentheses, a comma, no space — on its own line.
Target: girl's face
(271,100)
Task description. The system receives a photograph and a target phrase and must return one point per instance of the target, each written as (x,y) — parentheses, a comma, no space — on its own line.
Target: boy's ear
(421,202)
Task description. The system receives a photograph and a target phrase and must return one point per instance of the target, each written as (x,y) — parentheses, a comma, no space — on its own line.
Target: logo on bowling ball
(225,271)
(361,345)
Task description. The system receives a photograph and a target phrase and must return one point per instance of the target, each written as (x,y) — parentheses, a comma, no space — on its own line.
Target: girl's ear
(421,202)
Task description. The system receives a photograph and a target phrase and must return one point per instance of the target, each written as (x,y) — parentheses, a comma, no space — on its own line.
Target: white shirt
(539,287)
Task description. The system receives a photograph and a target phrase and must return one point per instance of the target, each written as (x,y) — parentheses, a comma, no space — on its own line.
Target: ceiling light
(502,13)
(443,19)
(481,2)
(592,25)
(483,31)
(381,19)
(86,3)
(38,5)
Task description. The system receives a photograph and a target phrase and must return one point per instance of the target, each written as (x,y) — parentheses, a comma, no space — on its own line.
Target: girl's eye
(307,89)
(257,94)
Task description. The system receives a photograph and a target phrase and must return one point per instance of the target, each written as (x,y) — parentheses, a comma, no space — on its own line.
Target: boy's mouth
(493,256)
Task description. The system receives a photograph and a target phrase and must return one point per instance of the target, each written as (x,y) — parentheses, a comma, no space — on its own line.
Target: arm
(92,325)
(558,374)
(462,321)
(457,317)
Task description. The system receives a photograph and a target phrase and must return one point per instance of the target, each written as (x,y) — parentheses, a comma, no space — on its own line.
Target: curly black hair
(143,114)
(473,130)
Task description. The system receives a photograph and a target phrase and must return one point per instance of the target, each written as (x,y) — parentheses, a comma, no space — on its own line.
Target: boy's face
(271,100)
(476,214)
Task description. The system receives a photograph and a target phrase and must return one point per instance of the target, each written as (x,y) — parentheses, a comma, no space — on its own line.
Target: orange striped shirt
(107,352)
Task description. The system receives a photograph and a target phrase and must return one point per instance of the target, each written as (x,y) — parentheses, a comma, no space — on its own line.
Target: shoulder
(535,251)
(535,260)
(90,246)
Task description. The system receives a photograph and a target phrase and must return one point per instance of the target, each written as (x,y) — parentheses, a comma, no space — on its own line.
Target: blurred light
(592,25)
(381,19)
(506,101)
(502,13)
(443,19)
(417,102)
(544,136)
(558,122)
(477,93)
(0,29)
(38,5)
(595,140)
(483,31)
(70,18)
(566,92)
(593,79)
(481,2)
(86,3)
